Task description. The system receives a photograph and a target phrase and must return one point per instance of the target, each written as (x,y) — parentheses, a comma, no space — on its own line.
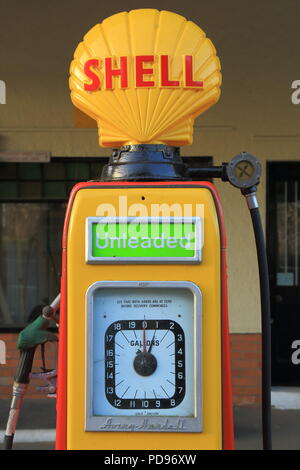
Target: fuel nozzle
(34,334)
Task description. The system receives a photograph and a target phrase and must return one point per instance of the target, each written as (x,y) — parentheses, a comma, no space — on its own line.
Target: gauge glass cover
(144,355)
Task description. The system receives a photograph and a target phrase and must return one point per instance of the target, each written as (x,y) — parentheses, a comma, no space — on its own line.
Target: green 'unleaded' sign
(143,240)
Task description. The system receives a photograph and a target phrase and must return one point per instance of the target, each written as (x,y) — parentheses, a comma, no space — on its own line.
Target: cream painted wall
(258,45)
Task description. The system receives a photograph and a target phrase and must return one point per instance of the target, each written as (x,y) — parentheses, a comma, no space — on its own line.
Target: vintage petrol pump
(143,327)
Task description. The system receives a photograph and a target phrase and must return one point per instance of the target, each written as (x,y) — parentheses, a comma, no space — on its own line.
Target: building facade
(46,146)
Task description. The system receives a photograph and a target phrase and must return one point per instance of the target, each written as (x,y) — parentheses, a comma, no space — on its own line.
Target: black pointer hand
(152,342)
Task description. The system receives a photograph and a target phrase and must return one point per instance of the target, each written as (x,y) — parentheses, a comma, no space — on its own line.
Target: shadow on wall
(3,144)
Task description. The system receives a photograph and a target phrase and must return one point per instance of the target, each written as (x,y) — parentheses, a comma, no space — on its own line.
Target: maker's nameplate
(144,424)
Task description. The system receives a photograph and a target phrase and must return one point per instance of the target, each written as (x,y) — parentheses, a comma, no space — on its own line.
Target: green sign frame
(143,240)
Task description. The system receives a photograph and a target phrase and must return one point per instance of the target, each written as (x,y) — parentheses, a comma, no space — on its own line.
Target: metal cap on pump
(145,163)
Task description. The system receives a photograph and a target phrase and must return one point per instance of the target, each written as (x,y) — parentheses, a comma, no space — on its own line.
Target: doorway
(283,245)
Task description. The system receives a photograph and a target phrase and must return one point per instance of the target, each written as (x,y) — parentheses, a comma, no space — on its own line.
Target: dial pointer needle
(144,338)
(152,342)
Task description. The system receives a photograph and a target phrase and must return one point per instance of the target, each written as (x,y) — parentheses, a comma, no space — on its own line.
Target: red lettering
(189,81)
(164,73)
(95,84)
(110,72)
(140,71)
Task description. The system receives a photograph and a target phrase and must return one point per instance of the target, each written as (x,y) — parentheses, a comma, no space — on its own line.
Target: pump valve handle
(243,171)
(33,335)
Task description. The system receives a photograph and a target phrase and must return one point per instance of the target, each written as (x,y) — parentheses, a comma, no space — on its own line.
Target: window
(33,199)
(45,181)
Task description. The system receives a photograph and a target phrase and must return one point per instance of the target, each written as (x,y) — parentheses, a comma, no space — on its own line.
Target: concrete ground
(39,416)
(285,429)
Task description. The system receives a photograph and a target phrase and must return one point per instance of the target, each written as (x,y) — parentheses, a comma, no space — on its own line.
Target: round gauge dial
(145,364)
(144,353)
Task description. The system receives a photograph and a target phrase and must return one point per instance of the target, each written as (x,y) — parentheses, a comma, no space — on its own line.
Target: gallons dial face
(144,350)
(145,364)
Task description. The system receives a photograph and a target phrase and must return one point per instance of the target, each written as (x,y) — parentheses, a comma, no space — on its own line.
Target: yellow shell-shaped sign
(144,76)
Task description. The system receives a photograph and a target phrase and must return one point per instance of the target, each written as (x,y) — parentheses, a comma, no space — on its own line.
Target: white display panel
(144,356)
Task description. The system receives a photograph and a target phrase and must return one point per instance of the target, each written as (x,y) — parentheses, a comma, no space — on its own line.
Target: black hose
(265,327)
(24,366)
(22,378)
(8,442)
